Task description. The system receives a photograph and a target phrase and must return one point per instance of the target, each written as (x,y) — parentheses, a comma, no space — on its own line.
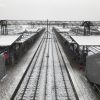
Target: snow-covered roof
(87,40)
(7,40)
(32,29)
(25,37)
(64,29)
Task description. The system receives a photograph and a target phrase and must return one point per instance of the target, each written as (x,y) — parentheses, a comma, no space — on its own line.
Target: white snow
(64,30)
(32,29)
(25,37)
(87,40)
(7,40)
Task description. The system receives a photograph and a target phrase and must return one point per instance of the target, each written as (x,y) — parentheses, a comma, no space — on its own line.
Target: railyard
(49,62)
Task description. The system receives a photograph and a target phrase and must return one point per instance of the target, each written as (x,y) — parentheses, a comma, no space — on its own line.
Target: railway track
(67,91)
(47,77)
(26,78)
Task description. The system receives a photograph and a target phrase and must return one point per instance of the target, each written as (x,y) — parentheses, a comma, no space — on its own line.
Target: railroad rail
(46,77)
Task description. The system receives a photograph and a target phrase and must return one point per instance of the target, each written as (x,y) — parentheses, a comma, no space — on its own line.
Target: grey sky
(50,9)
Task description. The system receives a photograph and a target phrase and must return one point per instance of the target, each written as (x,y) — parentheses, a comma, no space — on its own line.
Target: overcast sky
(50,9)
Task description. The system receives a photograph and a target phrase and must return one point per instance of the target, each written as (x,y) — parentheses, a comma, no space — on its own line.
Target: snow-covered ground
(14,74)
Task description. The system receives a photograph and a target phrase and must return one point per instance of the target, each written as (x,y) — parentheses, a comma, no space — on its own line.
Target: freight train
(79,53)
(88,56)
(18,44)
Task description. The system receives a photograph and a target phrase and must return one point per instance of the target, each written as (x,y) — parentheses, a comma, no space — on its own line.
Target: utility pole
(47,28)
(87,25)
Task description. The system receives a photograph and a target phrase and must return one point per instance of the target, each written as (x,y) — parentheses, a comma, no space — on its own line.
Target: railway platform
(14,74)
(44,73)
